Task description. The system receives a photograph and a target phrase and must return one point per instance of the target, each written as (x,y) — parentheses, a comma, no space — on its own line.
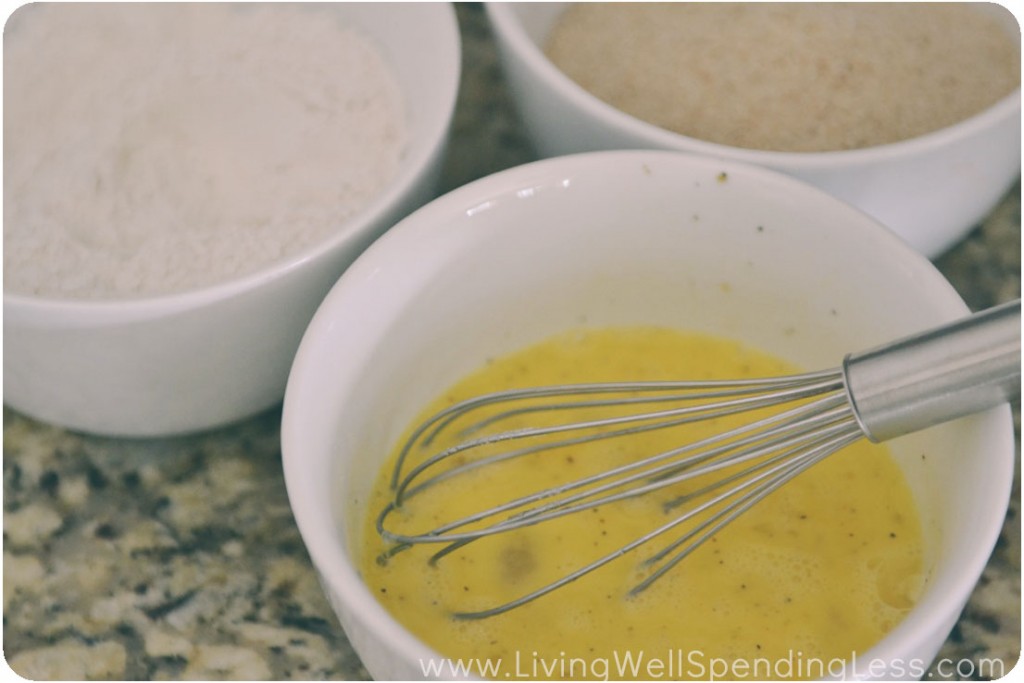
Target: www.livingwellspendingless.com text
(679,663)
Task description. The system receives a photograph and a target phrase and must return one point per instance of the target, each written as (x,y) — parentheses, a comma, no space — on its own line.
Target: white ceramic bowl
(202,358)
(645,237)
(931,190)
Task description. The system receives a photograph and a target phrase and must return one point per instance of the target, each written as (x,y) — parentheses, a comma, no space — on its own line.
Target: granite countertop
(179,558)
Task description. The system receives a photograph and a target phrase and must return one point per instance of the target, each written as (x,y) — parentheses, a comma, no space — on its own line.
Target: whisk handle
(939,375)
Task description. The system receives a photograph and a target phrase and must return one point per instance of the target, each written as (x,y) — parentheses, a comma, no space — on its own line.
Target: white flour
(155,148)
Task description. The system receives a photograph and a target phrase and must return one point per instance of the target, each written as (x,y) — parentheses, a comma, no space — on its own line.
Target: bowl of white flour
(184,182)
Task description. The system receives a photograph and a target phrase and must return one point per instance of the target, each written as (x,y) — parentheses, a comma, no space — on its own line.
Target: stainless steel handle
(939,375)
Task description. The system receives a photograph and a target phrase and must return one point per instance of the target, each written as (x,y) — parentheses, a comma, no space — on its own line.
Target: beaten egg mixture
(819,570)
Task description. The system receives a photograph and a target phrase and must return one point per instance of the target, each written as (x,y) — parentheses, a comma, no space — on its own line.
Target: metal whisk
(896,389)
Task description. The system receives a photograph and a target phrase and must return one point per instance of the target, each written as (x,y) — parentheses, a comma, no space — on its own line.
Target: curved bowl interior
(618,238)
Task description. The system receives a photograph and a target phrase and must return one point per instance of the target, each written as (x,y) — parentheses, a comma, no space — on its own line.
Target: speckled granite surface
(169,559)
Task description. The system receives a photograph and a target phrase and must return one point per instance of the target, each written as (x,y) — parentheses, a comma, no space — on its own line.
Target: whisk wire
(793,445)
(796,388)
(431,426)
(690,541)
(723,389)
(659,469)
(788,471)
(565,507)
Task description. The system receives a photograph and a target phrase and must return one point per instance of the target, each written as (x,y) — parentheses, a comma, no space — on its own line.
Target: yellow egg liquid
(817,571)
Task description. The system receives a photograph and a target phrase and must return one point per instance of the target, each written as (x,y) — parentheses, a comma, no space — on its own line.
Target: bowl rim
(318,527)
(413,163)
(507,25)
